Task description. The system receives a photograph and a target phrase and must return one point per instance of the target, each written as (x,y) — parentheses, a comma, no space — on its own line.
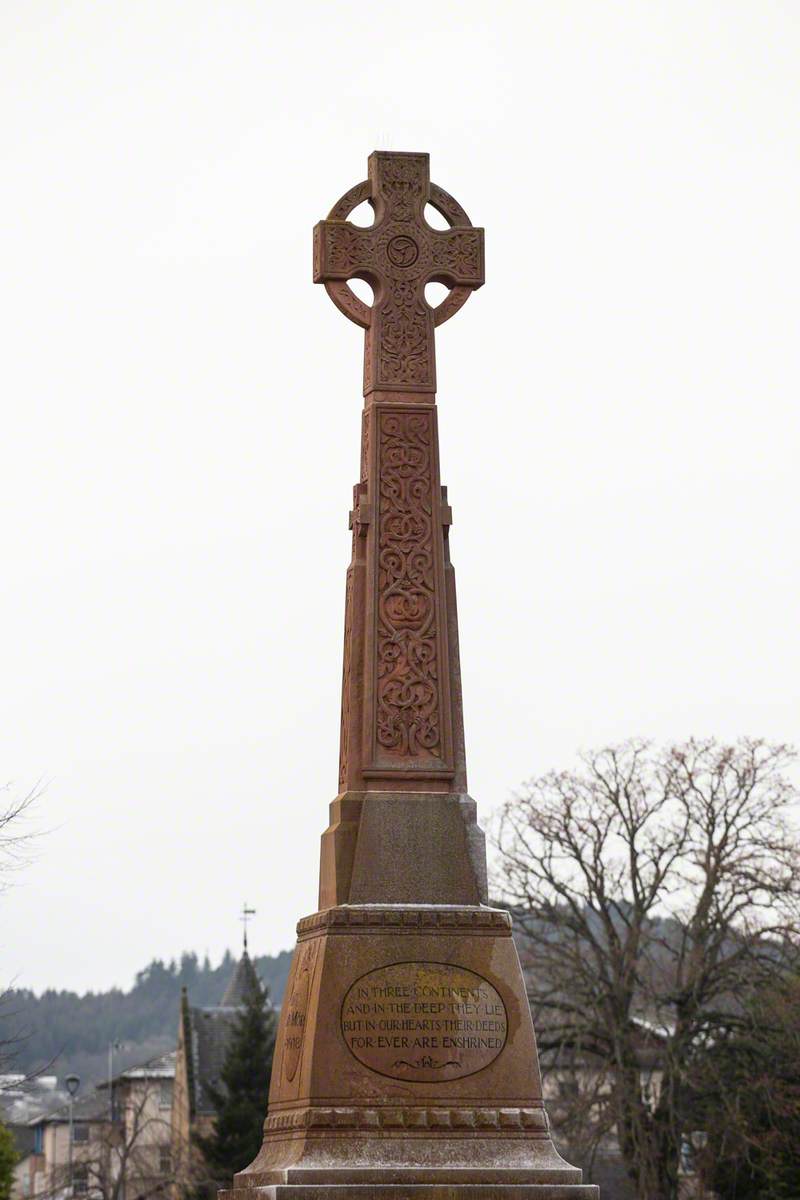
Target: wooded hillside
(73,1032)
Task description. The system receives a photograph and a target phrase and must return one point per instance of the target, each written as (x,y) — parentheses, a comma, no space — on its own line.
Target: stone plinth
(406,1062)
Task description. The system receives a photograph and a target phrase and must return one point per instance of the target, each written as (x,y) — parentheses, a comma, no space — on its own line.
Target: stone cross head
(398,255)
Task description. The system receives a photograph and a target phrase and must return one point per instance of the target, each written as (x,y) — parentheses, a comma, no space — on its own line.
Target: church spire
(244,980)
(242,984)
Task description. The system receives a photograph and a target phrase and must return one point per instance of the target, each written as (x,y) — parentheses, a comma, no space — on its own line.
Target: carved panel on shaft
(408,700)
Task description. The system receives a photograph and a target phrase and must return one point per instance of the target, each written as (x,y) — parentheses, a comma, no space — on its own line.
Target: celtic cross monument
(405,1062)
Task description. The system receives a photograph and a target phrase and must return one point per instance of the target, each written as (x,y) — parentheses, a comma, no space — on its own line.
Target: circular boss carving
(347,301)
(402,250)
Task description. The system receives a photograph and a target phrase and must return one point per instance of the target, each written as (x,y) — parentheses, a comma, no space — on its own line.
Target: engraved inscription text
(424,1021)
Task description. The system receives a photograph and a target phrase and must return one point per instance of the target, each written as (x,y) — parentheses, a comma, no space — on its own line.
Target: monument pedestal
(406,1060)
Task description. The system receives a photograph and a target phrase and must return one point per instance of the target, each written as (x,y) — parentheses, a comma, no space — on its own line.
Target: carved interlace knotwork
(398,255)
(408,708)
(403,184)
(404,352)
(348,249)
(458,254)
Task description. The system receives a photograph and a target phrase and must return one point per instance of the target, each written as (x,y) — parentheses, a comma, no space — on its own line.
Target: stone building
(203,1036)
(21,1099)
(120,1144)
(45,1171)
(135,1141)
(141,1101)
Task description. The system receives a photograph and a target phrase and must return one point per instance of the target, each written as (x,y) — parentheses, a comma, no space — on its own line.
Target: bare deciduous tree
(654,889)
(15,832)
(130,1161)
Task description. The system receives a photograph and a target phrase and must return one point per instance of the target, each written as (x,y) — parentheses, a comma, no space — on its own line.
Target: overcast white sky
(180,419)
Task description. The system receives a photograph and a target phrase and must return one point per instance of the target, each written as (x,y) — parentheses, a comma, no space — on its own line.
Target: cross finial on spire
(244,918)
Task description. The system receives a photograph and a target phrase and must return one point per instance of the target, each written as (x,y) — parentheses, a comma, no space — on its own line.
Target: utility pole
(112,1046)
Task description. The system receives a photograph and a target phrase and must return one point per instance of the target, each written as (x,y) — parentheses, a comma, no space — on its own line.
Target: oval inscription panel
(424,1021)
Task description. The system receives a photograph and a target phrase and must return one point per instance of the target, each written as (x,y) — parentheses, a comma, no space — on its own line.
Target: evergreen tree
(8,1160)
(241,1103)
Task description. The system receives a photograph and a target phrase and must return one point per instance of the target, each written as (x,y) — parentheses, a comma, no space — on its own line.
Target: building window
(38,1140)
(164,1160)
(80,1133)
(165,1094)
(80,1179)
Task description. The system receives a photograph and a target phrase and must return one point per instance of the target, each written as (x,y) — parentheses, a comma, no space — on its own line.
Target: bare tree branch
(654,892)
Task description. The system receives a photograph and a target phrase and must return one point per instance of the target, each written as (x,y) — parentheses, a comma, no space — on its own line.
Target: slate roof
(210,1031)
(160,1067)
(207,1032)
(242,983)
(92,1107)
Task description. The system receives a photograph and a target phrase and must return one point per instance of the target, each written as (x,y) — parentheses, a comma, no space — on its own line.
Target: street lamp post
(72,1082)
